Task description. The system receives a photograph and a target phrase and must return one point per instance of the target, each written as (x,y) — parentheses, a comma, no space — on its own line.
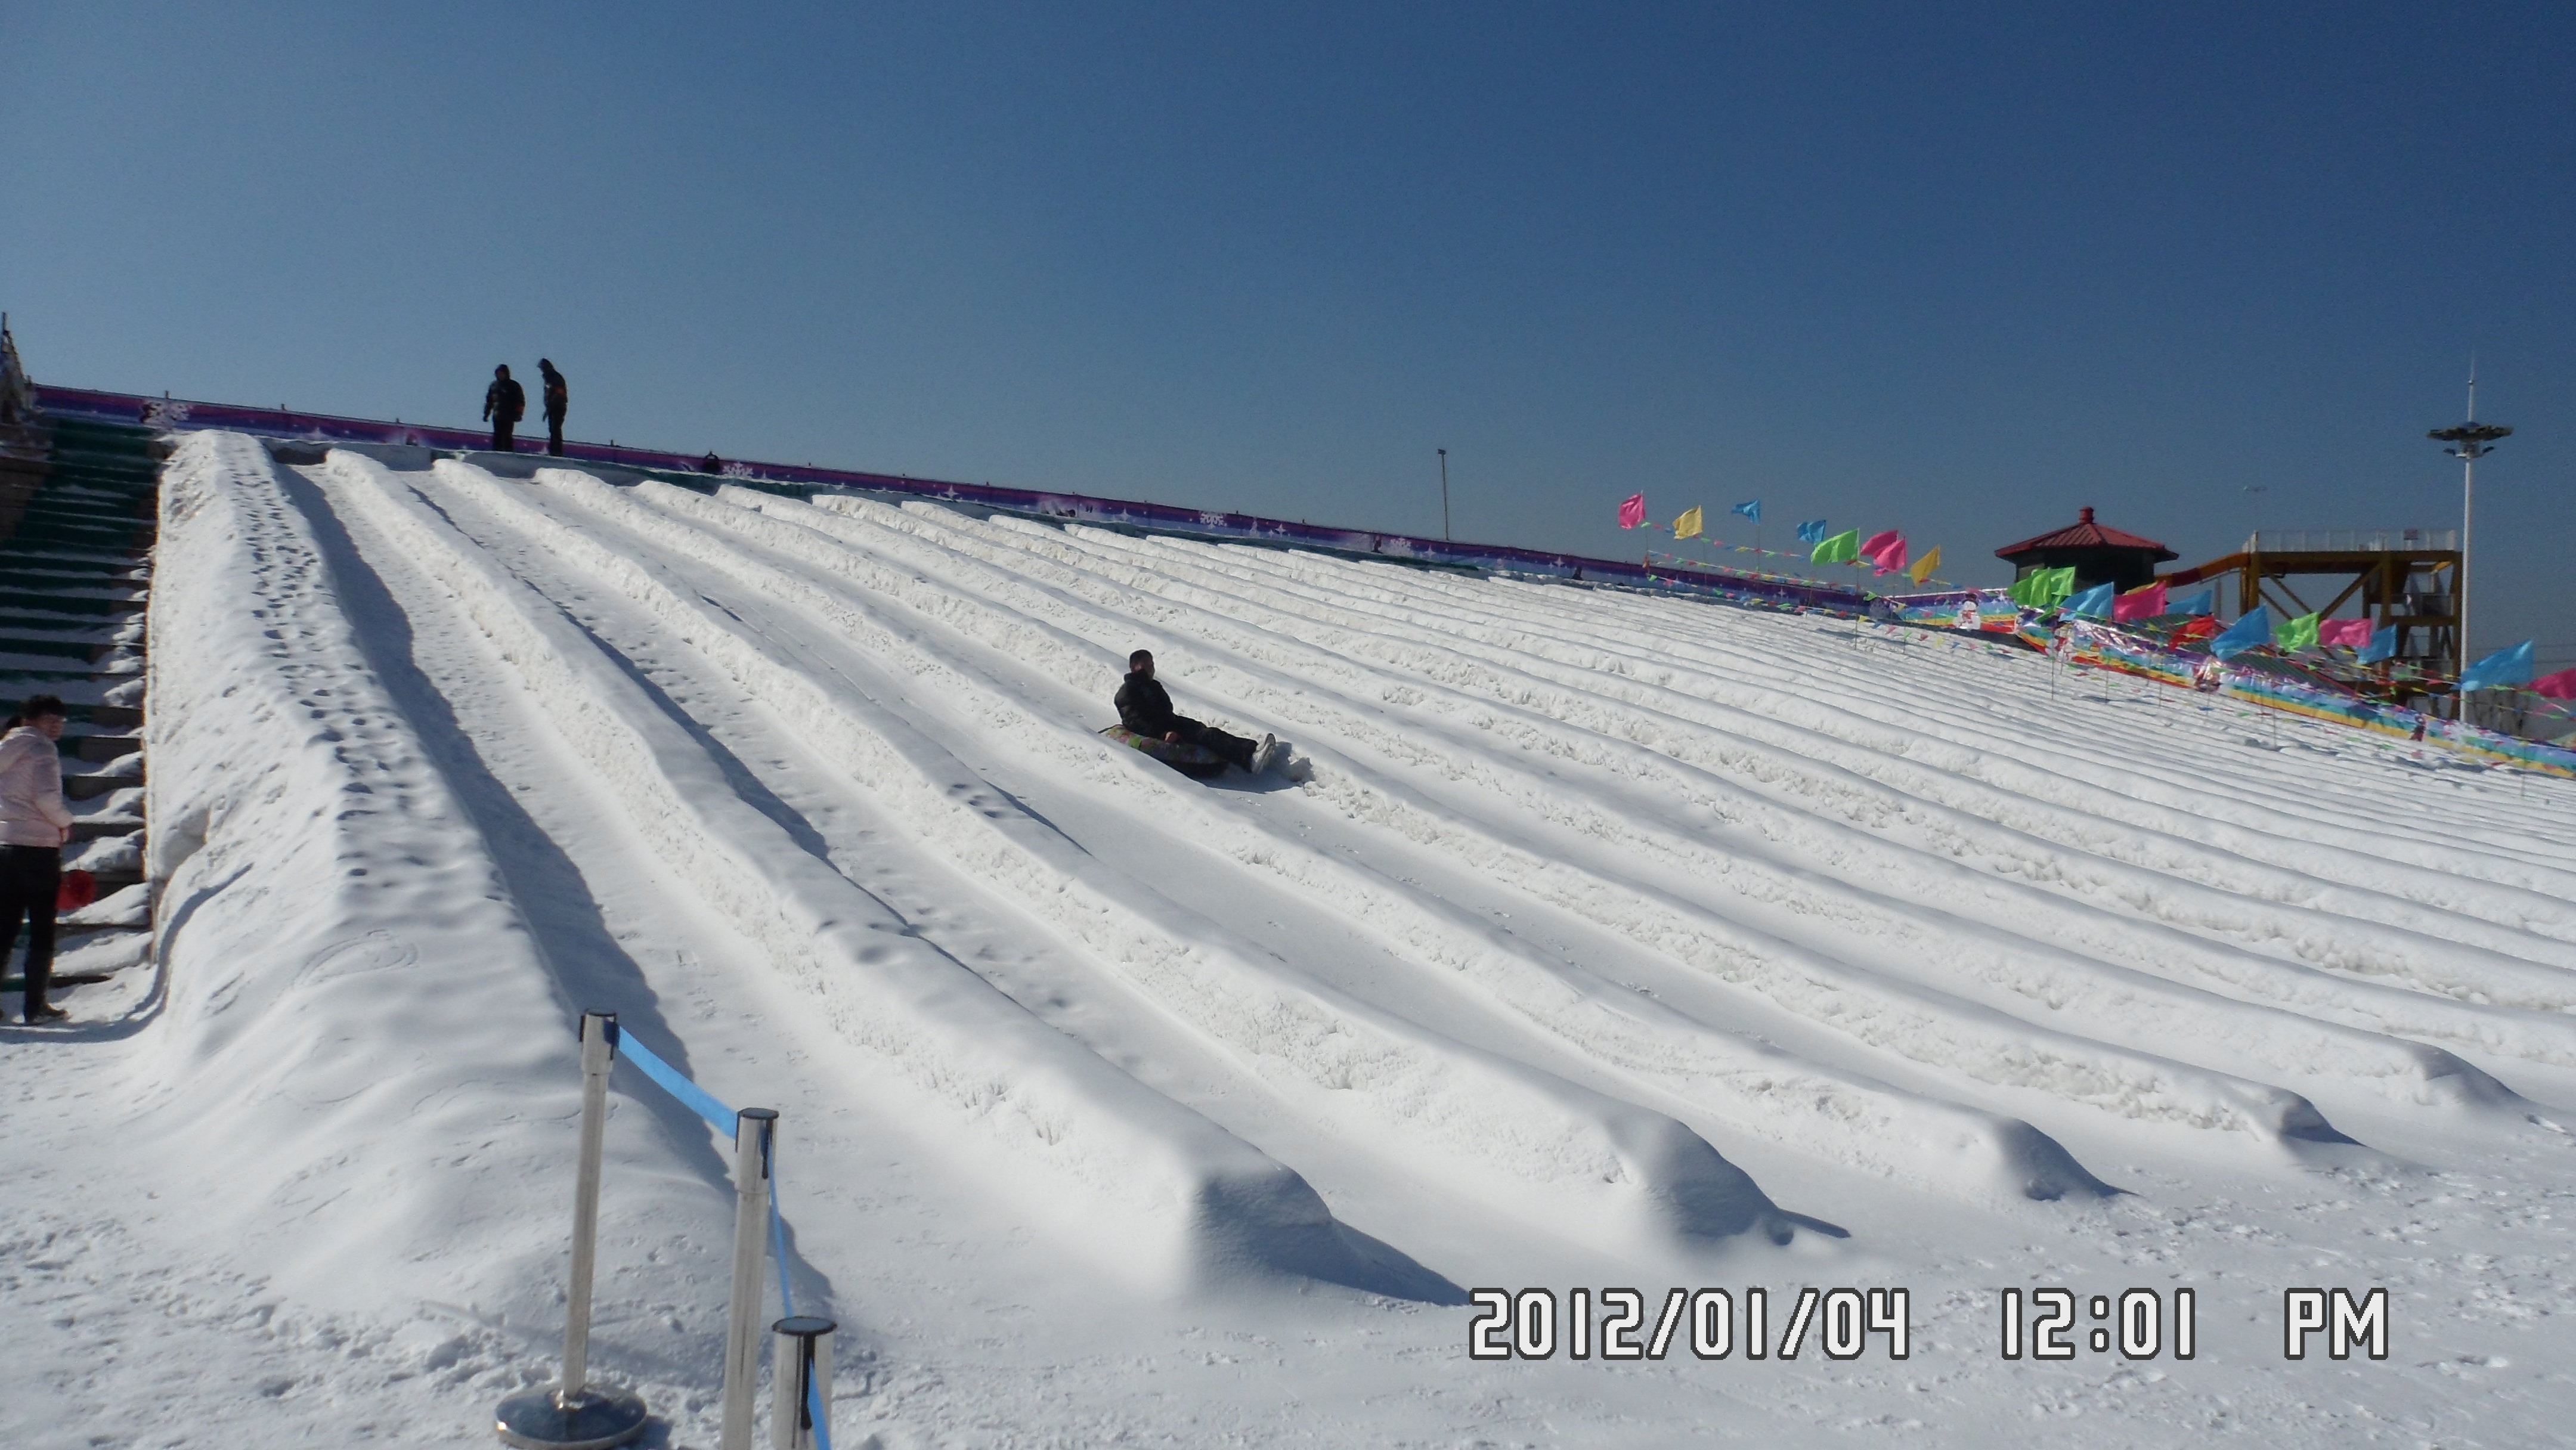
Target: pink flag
(2353,632)
(1632,514)
(2145,603)
(1886,550)
(2560,686)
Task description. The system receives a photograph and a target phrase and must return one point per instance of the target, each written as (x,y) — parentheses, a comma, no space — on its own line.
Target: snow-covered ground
(1593,940)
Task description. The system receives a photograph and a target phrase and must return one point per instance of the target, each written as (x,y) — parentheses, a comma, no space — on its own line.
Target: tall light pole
(1444,495)
(2470,441)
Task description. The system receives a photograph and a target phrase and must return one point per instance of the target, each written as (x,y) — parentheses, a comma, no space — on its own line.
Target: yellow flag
(1687,526)
(1924,566)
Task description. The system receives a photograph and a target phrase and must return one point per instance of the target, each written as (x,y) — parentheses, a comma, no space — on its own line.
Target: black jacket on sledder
(1144,708)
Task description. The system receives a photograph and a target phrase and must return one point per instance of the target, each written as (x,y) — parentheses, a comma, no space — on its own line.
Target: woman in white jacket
(35,821)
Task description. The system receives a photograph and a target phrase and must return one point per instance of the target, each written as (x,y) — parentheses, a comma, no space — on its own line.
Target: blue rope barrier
(708,1106)
(666,1077)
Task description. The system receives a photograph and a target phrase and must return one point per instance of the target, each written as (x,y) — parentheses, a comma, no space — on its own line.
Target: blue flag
(2093,603)
(2382,646)
(2205,602)
(2504,667)
(1751,510)
(2244,634)
(1812,532)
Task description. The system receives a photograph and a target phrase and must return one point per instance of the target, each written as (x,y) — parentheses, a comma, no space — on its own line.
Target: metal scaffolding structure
(2402,577)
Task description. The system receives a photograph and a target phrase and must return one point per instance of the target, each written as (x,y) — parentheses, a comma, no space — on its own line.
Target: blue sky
(1953,270)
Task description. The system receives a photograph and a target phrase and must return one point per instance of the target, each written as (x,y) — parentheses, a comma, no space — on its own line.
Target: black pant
(1209,738)
(502,442)
(31,877)
(554,434)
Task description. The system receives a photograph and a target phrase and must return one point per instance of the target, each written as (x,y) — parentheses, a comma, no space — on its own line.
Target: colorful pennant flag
(2382,646)
(2560,686)
(1812,532)
(1688,525)
(2205,602)
(2141,603)
(1924,566)
(1842,548)
(2093,603)
(2504,667)
(2299,633)
(1751,510)
(2254,629)
(1632,514)
(1886,550)
(2041,588)
(2351,633)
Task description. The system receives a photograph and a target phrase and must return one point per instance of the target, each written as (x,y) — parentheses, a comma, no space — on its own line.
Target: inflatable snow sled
(1189,760)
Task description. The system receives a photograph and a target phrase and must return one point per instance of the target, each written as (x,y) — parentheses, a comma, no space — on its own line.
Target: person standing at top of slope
(558,399)
(1144,708)
(35,821)
(505,403)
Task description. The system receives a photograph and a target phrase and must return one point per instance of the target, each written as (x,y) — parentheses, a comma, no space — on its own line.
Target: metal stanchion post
(596,1054)
(755,1133)
(576,1415)
(800,1375)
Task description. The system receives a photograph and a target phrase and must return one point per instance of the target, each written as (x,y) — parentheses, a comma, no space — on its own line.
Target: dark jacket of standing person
(557,396)
(505,403)
(558,399)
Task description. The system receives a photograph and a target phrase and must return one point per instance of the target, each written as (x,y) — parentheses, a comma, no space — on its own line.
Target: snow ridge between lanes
(1919,894)
(1183,1201)
(2259,898)
(1539,1143)
(1864,1123)
(357,1036)
(1284,678)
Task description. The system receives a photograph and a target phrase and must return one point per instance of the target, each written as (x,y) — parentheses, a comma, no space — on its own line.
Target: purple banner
(179,414)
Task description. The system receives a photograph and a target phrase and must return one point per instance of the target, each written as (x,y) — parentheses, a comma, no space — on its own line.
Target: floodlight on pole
(2470,441)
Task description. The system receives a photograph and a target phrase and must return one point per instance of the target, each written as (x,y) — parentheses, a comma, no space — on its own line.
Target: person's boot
(40,976)
(1265,753)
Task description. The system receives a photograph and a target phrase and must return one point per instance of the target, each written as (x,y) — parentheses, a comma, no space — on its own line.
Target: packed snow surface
(1589,940)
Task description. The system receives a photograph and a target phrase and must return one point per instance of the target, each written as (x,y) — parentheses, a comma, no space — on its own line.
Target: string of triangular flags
(1885,551)
(2049,588)
(2510,667)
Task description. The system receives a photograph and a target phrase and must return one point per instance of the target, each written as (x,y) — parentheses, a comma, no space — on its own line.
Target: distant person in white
(35,821)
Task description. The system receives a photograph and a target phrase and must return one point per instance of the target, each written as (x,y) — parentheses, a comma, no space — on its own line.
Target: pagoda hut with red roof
(2100,554)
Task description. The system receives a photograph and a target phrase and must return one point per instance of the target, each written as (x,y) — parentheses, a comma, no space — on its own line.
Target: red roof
(2085,534)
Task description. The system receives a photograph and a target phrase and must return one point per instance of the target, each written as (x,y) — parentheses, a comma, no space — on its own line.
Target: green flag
(1842,548)
(2299,633)
(2041,588)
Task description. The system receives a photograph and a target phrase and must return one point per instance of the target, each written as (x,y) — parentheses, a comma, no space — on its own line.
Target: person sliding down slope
(1144,708)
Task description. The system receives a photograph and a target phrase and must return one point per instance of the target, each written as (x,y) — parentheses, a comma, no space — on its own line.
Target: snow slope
(1594,939)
